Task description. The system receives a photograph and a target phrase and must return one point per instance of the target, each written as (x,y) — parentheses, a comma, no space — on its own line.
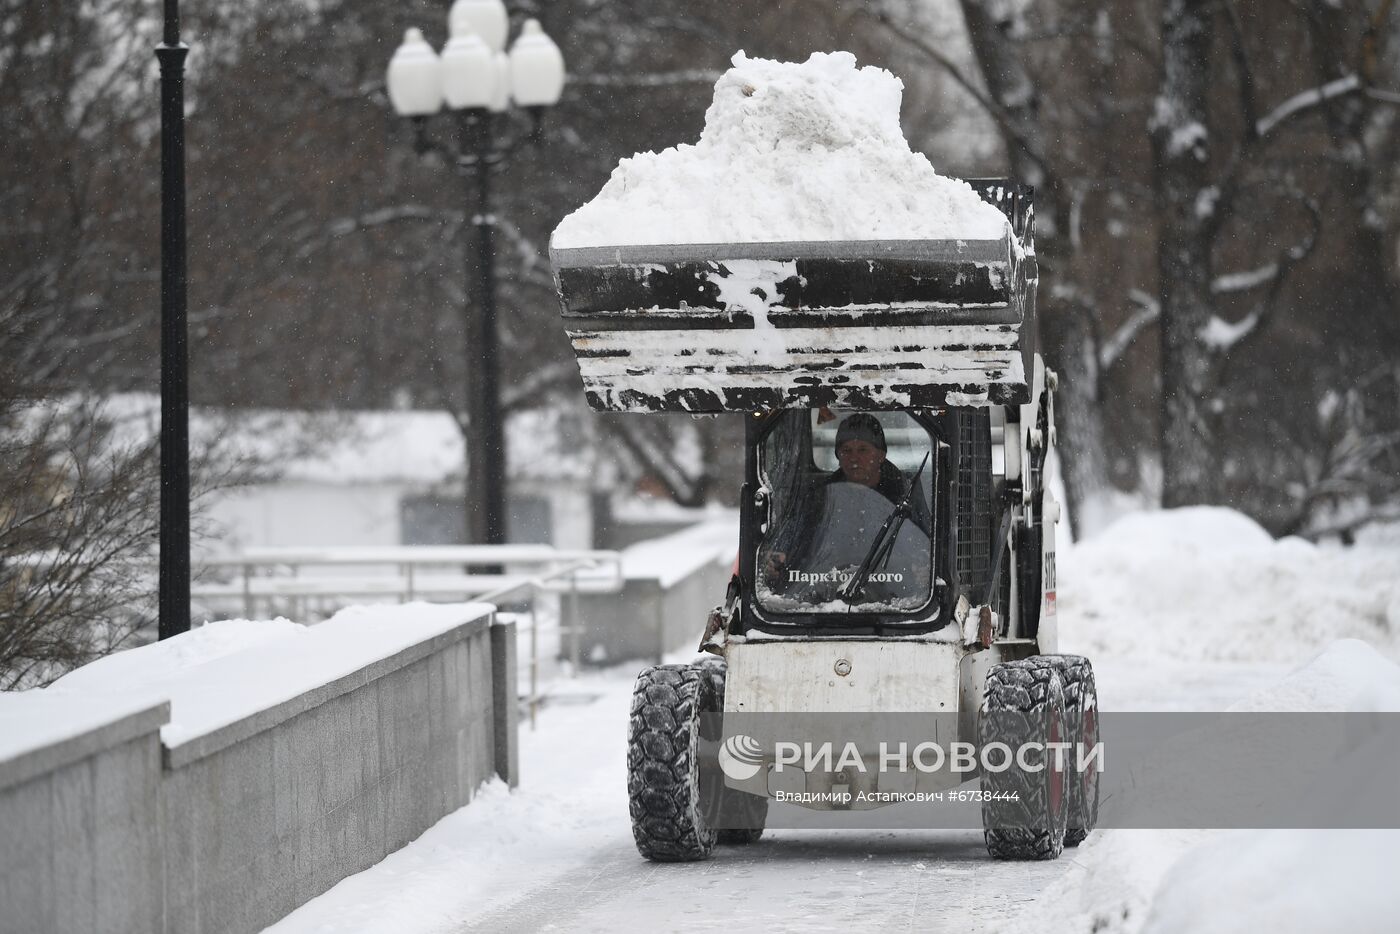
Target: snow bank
(1297,880)
(1190,531)
(1207,584)
(809,151)
(1192,589)
(225,671)
(1349,675)
(1281,881)
(1242,882)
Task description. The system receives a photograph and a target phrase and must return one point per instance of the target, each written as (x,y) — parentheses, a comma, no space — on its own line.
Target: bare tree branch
(995,110)
(1384,96)
(1304,101)
(1245,280)
(1147,313)
(1225,337)
(319,236)
(636,435)
(526,392)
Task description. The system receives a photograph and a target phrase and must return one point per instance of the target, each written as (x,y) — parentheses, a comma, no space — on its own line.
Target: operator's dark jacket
(893,485)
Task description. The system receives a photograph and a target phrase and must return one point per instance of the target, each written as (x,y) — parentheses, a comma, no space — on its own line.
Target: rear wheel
(663,763)
(1082,716)
(1024,811)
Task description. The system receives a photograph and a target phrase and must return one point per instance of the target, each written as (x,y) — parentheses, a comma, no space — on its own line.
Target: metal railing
(427,572)
(404,573)
(415,571)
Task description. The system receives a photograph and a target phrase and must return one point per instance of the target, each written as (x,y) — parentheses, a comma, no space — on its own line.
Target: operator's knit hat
(862,426)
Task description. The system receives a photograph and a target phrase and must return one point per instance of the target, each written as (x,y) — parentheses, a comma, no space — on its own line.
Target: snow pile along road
(1242,882)
(1180,597)
(1209,584)
(790,152)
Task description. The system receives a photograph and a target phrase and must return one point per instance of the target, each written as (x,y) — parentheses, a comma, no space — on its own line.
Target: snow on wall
(674,557)
(790,151)
(225,671)
(347,740)
(31,720)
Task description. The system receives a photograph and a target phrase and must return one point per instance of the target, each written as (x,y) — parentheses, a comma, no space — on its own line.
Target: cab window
(832,542)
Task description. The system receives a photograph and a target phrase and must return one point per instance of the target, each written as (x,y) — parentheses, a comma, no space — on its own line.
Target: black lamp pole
(486,455)
(418,85)
(174,373)
(477,154)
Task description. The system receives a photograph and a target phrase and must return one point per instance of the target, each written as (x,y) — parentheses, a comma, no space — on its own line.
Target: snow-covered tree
(1218,174)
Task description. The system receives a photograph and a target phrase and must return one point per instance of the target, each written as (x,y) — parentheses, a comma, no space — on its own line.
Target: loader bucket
(871,324)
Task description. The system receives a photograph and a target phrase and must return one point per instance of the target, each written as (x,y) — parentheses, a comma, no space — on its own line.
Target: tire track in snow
(790,881)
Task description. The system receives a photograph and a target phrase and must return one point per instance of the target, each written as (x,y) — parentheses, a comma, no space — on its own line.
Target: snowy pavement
(557,853)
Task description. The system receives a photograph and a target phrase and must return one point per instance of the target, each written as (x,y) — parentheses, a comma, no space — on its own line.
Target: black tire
(1082,716)
(1024,813)
(663,763)
(715,668)
(735,836)
(737,806)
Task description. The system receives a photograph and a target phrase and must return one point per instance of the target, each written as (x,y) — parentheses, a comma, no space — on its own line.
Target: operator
(862,458)
(862,455)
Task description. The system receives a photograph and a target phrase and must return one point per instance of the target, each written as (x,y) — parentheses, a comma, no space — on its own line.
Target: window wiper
(880,549)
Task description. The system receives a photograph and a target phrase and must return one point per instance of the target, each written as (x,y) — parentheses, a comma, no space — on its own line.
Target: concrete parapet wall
(666,598)
(80,830)
(230,830)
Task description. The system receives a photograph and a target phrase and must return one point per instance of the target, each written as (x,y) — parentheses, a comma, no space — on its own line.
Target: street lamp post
(477,80)
(174,600)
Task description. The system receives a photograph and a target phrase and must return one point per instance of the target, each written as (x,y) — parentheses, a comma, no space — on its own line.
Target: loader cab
(845,524)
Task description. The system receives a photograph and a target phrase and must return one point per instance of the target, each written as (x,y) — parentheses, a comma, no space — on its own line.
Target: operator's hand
(775,565)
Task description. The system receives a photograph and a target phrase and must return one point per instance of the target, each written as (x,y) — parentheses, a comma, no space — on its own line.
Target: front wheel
(1025,811)
(663,763)
(723,804)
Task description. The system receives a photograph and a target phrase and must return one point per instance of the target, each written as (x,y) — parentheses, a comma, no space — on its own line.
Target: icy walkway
(558,855)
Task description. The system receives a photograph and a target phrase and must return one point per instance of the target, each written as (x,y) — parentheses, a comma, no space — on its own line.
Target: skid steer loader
(897,540)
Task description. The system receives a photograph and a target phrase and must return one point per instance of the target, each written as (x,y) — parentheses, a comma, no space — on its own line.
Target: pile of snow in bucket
(790,152)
